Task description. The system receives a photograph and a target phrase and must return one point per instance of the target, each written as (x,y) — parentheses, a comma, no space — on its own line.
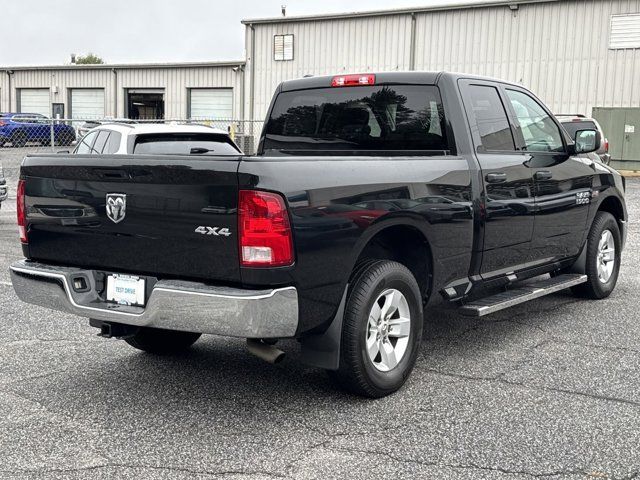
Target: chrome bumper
(172,304)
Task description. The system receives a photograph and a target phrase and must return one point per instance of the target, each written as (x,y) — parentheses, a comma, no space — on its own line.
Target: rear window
(573,127)
(184,144)
(387,118)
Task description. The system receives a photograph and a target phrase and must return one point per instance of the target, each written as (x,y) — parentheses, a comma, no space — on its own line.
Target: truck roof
(406,77)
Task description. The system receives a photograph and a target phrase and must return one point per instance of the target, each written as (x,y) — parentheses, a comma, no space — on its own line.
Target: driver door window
(540,132)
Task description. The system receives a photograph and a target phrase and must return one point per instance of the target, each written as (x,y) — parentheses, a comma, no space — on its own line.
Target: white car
(156,139)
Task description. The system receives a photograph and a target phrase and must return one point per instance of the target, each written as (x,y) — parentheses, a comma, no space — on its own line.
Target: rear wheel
(603,258)
(381,330)
(162,342)
(19,139)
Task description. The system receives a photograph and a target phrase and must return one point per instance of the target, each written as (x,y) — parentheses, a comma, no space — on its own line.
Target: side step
(510,298)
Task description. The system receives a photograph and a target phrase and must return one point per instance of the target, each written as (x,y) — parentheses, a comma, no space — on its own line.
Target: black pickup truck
(370,196)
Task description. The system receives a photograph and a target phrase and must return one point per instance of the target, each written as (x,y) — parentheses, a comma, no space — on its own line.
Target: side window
(101,140)
(540,132)
(86,143)
(113,145)
(490,118)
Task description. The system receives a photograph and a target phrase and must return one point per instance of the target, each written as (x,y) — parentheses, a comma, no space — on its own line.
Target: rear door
(508,197)
(562,182)
(175,216)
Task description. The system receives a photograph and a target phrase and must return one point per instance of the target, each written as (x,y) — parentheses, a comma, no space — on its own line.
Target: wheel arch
(613,205)
(403,240)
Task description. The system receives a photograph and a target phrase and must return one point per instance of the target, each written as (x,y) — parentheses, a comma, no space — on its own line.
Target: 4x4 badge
(116,206)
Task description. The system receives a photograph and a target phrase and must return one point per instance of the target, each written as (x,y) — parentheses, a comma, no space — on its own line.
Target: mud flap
(323,350)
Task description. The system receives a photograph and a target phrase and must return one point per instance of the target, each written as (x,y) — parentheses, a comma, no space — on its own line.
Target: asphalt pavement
(549,389)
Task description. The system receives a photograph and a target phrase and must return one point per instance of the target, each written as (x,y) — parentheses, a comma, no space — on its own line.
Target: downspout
(412,47)
(242,88)
(9,73)
(115,93)
(252,77)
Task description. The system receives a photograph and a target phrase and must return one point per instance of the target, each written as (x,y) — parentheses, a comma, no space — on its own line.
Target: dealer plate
(126,290)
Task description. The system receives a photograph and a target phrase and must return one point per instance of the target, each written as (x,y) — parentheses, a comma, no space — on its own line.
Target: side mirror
(586,141)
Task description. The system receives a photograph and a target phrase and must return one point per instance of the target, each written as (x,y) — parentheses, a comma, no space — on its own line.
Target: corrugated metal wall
(560,50)
(174,81)
(321,47)
(177,82)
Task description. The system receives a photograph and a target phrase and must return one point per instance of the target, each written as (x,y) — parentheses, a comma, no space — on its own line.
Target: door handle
(543,175)
(496,177)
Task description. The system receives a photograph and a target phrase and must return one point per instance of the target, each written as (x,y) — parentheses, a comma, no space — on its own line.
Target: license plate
(126,290)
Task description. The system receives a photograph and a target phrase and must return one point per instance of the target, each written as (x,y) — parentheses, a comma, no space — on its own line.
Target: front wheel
(162,342)
(603,258)
(382,329)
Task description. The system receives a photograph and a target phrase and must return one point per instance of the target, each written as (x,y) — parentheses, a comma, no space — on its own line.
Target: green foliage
(89,59)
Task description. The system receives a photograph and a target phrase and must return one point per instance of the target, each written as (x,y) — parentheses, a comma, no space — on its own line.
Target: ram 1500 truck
(370,196)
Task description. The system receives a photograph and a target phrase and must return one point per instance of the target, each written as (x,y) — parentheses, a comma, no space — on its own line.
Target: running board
(510,298)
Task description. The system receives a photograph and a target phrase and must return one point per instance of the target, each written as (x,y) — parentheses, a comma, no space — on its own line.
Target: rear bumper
(171,305)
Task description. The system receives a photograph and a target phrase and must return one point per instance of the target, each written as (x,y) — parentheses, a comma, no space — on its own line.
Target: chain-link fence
(33,134)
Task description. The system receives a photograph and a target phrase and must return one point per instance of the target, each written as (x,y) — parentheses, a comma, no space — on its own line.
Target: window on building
(486,108)
(283,47)
(625,31)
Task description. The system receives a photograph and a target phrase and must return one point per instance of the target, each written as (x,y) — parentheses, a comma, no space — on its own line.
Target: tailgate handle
(112,174)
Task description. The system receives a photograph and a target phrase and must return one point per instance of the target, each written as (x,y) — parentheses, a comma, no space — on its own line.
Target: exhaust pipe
(266,352)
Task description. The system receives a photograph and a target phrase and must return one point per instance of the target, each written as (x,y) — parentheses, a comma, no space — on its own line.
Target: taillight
(22,212)
(606,145)
(264,230)
(2,124)
(353,80)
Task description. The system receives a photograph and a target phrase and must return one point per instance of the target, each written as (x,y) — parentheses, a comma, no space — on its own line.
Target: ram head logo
(116,207)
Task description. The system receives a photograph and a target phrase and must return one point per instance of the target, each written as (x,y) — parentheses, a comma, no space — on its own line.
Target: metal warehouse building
(579,56)
(188,90)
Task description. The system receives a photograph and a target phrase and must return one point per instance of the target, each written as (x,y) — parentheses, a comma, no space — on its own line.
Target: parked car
(22,128)
(574,122)
(156,139)
(4,190)
(157,250)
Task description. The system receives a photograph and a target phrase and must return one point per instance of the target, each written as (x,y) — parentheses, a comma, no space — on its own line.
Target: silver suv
(157,139)
(574,122)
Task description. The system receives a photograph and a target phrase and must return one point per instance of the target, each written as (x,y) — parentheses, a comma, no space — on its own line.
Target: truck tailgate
(168,216)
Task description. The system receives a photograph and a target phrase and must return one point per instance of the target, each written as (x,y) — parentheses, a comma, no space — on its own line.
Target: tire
(162,342)
(373,284)
(600,282)
(19,139)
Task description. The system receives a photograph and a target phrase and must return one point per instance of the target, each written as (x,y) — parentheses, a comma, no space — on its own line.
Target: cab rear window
(390,118)
(184,144)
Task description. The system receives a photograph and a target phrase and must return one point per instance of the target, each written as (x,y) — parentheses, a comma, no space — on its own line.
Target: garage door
(211,103)
(35,100)
(87,103)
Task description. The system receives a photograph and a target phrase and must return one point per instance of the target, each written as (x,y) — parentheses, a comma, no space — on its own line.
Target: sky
(46,32)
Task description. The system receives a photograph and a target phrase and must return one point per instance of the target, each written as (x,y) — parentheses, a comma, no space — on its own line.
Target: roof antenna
(284,10)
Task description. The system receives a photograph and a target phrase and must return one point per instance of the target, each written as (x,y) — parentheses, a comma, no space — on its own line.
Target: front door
(508,197)
(562,182)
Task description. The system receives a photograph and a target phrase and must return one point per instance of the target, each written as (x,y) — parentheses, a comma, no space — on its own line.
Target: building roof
(125,66)
(399,11)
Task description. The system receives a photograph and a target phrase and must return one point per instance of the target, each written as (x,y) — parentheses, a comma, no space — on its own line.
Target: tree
(89,59)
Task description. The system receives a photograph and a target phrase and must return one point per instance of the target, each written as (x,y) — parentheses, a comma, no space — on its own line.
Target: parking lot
(549,389)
